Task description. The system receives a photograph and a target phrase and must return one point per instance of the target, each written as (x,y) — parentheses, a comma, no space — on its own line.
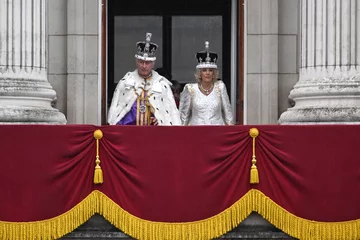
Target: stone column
(25,93)
(328,90)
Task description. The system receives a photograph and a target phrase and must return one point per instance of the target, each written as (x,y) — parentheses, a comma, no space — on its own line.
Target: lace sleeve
(226,106)
(185,105)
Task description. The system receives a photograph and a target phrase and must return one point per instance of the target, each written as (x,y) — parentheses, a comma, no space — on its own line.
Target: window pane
(189,34)
(128,30)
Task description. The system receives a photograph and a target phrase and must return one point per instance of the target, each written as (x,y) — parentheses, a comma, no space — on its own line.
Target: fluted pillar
(328,90)
(25,93)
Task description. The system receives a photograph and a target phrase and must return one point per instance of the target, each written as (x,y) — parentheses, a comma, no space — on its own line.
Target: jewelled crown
(146,50)
(206,59)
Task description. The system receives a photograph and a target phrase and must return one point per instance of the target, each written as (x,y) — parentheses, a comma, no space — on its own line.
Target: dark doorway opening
(180,29)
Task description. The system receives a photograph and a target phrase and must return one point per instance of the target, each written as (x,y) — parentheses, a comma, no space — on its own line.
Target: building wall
(289,51)
(56,49)
(73,58)
(272,35)
(271,59)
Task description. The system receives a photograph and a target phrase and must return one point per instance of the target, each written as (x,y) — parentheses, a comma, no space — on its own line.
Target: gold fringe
(254,174)
(225,221)
(53,228)
(301,228)
(204,229)
(98,174)
(209,228)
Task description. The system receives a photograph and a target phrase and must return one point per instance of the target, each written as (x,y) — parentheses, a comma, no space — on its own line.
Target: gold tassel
(254,174)
(98,174)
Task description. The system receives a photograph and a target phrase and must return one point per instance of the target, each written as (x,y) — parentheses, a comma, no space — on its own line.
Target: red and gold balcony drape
(179,182)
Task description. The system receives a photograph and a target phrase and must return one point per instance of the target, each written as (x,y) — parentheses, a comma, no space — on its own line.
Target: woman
(205,102)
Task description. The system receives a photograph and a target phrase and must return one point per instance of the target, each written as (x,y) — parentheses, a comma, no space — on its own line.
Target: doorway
(180,29)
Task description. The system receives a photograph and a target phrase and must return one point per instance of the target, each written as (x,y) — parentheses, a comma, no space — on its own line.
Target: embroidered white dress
(197,108)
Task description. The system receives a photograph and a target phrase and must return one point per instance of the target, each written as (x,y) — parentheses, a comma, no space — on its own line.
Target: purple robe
(130,117)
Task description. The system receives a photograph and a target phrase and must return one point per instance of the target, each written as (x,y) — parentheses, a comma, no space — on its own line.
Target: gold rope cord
(144,97)
(98,174)
(254,174)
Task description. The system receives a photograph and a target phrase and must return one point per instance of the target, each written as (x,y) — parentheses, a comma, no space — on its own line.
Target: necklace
(206,91)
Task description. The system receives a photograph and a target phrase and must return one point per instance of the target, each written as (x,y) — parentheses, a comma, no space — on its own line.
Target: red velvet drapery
(179,174)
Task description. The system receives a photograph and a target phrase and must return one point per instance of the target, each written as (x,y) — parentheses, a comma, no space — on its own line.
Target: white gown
(197,108)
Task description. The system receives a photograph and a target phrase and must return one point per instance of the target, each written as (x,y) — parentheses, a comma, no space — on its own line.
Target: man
(143,97)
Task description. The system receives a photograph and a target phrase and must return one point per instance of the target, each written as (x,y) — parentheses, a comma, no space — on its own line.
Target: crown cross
(147,44)
(148,37)
(207,59)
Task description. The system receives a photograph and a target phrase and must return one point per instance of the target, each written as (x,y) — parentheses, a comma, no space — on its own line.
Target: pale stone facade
(73,35)
(272,53)
(272,28)
(282,38)
(271,58)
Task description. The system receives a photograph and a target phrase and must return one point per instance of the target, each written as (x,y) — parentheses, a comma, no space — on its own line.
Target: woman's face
(207,74)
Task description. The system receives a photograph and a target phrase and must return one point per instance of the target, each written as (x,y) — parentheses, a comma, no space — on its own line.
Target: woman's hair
(197,75)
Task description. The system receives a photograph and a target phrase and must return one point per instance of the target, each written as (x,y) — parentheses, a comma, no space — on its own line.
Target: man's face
(144,67)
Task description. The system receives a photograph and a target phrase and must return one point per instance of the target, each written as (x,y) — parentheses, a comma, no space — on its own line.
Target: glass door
(180,28)
(189,34)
